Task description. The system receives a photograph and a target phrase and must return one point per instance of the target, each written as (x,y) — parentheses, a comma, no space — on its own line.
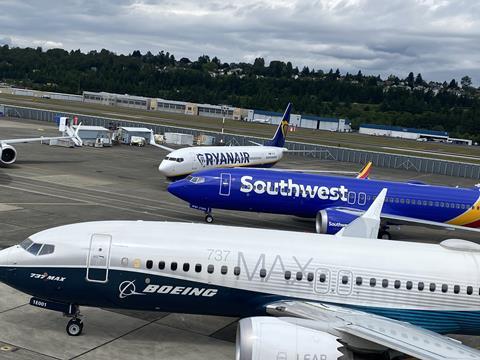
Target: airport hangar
(55,186)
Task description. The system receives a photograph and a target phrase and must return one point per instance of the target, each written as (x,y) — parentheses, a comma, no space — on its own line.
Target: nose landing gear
(208,218)
(75,325)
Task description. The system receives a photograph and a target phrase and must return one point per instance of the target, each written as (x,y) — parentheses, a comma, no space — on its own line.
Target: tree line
(407,102)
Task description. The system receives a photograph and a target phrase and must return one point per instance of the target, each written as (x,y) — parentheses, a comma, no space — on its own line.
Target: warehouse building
(170,106)
(126,134)
(128,101)
(42,94)
(404,133)
(271,117)
(325,123)
(302,121)
(92,135)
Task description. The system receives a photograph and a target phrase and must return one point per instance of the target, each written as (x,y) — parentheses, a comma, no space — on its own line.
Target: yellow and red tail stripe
(470,218)
(363,174)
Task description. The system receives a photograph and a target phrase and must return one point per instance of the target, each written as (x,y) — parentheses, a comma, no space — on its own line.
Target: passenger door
(98,260)
(225,184)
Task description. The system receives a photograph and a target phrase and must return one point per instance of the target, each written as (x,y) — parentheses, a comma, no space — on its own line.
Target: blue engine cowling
(330,221)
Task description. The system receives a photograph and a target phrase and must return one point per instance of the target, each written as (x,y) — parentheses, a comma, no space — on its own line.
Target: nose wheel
(209,218)
(74,327)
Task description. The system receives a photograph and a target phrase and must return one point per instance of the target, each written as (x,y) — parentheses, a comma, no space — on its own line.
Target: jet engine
(265,338)
(330,221)
(8,154)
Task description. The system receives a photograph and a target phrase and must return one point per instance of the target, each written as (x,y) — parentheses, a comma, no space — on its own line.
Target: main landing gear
(384,234)
(75,325)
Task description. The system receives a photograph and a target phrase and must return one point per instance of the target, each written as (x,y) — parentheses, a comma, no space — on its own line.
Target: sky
(438,38)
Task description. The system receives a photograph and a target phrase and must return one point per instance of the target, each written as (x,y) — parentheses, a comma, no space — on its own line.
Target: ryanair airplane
(182,162)
(326,297)
(333,201)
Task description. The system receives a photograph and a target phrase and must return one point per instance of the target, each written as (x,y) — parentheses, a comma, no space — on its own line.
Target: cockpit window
(25,244)
(37,249)
(34,248)
(46,249)
(174,159)
(196,179)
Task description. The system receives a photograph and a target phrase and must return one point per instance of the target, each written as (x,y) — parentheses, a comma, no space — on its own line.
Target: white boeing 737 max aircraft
(300,296)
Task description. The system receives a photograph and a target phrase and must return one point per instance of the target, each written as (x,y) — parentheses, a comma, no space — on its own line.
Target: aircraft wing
(362,174)
(405,220)
(28,140)
(397,335)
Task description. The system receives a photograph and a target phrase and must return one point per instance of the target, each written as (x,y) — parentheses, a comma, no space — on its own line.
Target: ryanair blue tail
(279,138)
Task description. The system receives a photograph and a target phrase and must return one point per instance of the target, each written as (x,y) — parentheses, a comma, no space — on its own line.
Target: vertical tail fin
(363,174)
(279,137)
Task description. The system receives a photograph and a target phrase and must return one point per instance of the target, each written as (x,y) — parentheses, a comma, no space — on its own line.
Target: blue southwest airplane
(334,201)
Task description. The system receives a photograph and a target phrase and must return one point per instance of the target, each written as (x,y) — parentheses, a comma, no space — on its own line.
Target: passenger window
(186,267)
(124,261)
(409,285)
(198,268)
(384,283)
(432,287)
(310,276)
(444,288)
(322,278)
(224,269)
(173,266)
(421,286)
(288,275)
(149,264)
(47,249)
(373,282)
(469,290)
(236,270)
(299,275)
(397,284)
(210,269)
(161,265)
(456,289)
(344,280)
(359,280)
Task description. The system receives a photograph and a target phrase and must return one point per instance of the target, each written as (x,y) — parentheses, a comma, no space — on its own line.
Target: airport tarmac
(51,186)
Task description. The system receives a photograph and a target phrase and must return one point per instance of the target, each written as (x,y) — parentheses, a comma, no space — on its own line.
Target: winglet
(367,225)
(363,174)
(278,139)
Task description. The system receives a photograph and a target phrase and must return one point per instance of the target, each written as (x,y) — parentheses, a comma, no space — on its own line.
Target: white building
(401,132)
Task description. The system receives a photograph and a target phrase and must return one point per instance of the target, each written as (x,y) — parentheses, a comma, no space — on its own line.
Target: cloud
(438,38)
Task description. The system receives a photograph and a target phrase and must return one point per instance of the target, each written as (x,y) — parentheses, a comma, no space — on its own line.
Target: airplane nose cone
(164,169)
(177,188)
(4,258)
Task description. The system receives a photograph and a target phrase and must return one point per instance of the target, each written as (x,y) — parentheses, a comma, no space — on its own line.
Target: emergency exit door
(225,183)
(98,261)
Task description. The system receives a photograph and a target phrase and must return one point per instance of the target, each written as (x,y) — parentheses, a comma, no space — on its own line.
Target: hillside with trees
(410,102)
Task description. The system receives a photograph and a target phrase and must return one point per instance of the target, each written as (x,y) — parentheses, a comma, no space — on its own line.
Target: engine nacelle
(8,155)
(332,221)
(270,338)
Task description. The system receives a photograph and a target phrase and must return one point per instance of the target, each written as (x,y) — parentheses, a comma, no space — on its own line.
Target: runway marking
(234,214)
(94,203)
